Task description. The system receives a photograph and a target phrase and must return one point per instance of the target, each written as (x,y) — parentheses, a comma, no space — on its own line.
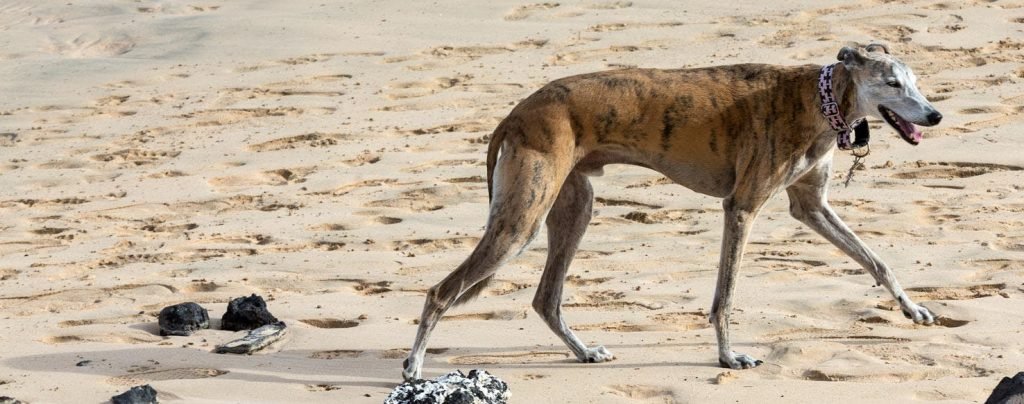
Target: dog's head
(887,89)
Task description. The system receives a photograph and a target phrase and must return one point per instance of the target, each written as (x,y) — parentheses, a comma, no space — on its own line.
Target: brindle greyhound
(742,133)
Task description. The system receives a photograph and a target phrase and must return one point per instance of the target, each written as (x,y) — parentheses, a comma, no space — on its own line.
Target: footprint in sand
(503,287)
(350,187)
(175,10)
(613,5)
(133,319)
(569,58)
(400,353)
(525,11)
(947,24)
(79,300)
(136,157)
(644,393)
(427,246)
(941,322)
(281,176)
(500,315)
(451,55)
(577,280)
(336,354)
(957,293)
(441,163)
(622,26)
(608,300)
(480,103)
(7,274)
(510,358)
(1002,116)
(387,220)
(136,337)
(132,379)
(950,170)
(363,158)
(294,61)
(322,387)
(469,126)
(167,174)
(233,95)
(228,116)
(328,227)
(414,89)
(365,287)
(624,202)
(200,286)
(92,44)
(316,80)
(679,321)
(425,199)
(330,323)
(988,268)
(680,216)
(315,139)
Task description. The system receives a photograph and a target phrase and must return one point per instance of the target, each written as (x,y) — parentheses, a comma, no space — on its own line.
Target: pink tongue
(911,129)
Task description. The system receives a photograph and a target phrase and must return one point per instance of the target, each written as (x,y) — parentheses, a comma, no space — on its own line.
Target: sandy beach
(329,156)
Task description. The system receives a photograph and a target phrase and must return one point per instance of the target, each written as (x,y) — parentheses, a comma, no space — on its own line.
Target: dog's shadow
(366,368)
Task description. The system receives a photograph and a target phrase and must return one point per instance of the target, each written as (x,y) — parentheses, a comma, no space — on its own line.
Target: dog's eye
(893,84)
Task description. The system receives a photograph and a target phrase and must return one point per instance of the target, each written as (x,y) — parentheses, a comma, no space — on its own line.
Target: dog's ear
(850,56)
(876,47)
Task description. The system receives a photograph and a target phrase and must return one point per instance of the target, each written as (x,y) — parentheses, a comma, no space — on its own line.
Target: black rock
(246,313)
(1008,391)
(10,400)
(183,319)
(83,363)
(144,394)
(479,387)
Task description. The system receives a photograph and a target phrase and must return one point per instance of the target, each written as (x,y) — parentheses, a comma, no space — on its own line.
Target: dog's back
(694,125)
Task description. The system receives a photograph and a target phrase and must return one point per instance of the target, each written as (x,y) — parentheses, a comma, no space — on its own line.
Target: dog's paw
(410,373)
(597,355)
(738,361)
(919,314)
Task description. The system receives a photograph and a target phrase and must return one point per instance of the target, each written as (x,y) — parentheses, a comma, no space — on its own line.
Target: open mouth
(907,130)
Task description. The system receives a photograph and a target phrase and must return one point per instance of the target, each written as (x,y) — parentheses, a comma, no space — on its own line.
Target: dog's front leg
(808,203)
(739,216)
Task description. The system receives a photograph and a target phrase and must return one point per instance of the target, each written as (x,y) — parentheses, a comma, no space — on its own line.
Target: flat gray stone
(255,340)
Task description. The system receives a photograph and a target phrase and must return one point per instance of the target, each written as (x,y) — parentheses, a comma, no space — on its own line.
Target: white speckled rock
(479,387)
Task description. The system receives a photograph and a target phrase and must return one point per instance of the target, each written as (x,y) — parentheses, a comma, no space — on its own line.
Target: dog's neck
(846,94)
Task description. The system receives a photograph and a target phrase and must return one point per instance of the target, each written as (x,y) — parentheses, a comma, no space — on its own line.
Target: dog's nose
(934,118)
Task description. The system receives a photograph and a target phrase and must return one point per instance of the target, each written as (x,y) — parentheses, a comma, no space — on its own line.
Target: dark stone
(479,387)
(83,363)
(246,313)
(183,319)
(1008,391)
(10,400)
(144,394)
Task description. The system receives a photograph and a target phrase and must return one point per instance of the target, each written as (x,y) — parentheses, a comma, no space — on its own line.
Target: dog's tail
(497,138)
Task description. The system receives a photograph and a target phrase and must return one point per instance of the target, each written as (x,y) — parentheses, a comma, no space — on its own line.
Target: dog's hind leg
(527,182)
(566,222)
(808,203)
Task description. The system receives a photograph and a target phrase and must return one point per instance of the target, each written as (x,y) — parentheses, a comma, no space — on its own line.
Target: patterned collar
(834,116)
